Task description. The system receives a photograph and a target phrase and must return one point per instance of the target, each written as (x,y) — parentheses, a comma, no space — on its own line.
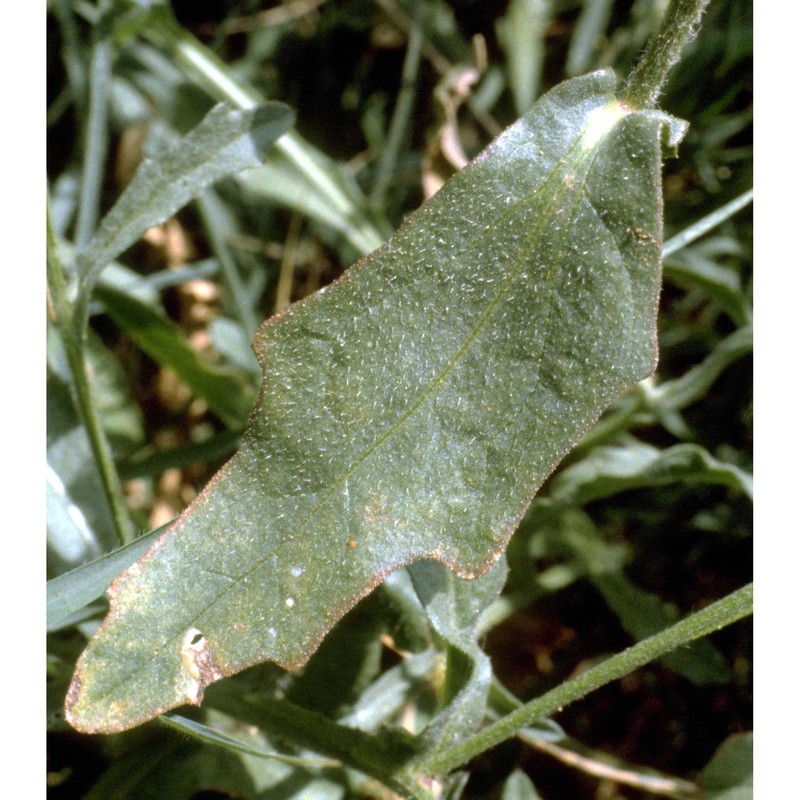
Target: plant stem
(73,336)
(735,606)
(647,80)
(400,117)
(707,223)
(95,142)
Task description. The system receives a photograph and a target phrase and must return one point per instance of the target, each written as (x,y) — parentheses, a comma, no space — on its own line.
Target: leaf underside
(411,410)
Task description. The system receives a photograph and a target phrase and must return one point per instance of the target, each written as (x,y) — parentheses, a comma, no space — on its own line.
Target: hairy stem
(72,332)
(649,76)
(735,606)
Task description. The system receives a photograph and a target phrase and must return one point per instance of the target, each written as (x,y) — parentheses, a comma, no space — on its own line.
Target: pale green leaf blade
(518,786)
(729,774)
(455,608)
(225,142)
(214,737)
(74,589)
(522,34)
(610,470)
(643,614)
(409,411)
(695,383)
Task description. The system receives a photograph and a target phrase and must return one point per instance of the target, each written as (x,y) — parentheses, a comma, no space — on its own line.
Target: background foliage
(648,519)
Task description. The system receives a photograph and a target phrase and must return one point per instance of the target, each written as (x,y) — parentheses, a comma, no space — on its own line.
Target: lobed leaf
(409,411)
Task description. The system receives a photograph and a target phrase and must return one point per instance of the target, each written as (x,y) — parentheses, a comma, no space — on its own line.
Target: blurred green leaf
(408,411)
(149,462)
(69,456)
(70,541)
(407,682)
(588,35)
(226,391)
(71,591)
(691,268)
(346,662)
(521,32)
(281,182)
(641,613)
(225,142)
(729,774)
(694,384)
(121,418)
(518,786)
(609,470)
(208,734)
(170,767)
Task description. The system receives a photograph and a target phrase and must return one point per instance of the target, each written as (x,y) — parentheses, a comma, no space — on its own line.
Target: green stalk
(734,607)
(649,76)
(95,144)
(213,213)
(707,223)
(401,116)
(72,332)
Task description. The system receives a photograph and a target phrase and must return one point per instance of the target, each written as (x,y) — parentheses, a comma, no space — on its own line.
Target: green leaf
(121,418)
(70,540)
(455,608)
(345,663)
(169,766)
(641,613)
(71,591)
(588,34)
(522,34)
(729,774)
(69,456)
(215,737)
(695,383)
(610,470)
(225,142)
(225,390)
(518,786)
(691,267)
(409,411)
(394,690)
(281,182)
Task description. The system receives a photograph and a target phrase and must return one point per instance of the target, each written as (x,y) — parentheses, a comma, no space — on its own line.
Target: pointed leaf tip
(226,141)
(411,410)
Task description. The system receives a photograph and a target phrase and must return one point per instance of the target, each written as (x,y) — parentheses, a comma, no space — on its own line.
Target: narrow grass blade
(71,591)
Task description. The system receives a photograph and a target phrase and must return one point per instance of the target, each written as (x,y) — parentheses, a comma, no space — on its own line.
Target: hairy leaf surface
(409,411)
